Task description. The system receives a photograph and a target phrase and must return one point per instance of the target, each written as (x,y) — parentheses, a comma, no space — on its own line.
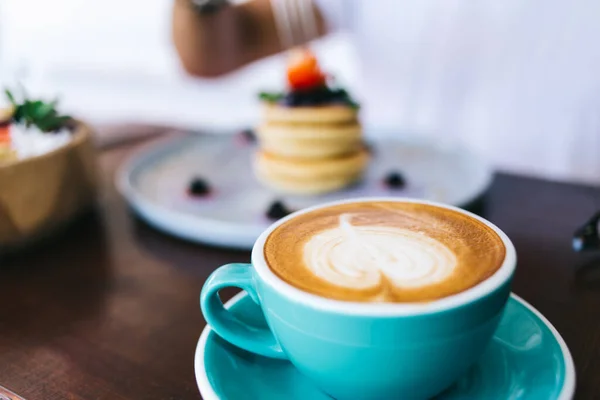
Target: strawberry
(4,133)
(303,71)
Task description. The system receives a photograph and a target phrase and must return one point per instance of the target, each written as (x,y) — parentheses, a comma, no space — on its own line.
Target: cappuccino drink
(372,298)
(384,252)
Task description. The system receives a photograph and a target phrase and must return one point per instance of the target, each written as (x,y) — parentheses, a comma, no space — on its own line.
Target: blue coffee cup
(358,350)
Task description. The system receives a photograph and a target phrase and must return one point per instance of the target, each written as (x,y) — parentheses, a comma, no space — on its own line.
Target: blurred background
(516,81)
(113,61)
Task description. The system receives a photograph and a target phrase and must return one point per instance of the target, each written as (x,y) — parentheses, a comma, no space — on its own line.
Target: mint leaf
(10,97)
(270,97)
(41,114)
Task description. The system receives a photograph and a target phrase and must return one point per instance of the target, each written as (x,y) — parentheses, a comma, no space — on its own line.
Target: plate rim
(227,234)
(208,393)
(165,220)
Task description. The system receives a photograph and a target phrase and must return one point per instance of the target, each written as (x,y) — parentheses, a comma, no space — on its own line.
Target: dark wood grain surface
(108,309)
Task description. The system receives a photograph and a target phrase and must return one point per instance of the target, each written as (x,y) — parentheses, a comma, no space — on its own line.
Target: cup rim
(501,276)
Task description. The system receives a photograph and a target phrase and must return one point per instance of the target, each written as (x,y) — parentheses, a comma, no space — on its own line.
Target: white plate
(155,179)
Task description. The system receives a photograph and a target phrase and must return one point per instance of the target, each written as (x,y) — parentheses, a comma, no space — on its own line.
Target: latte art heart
(383,251)
(359,257)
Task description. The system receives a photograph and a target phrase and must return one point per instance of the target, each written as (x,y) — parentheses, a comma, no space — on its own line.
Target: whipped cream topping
(361,256)
(31,142)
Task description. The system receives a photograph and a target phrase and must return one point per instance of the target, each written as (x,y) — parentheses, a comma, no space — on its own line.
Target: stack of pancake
(310,149)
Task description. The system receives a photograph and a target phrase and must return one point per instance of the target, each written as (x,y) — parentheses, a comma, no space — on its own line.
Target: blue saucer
(527,359)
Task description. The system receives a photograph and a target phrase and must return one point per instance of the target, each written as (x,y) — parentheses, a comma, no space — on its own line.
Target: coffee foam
(358,257)
(384,252)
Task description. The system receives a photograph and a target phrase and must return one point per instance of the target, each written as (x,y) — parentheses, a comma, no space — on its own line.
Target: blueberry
(312,97)
(319,95)
(292,99)
(394,180)
(304,100)
(199,187)
(277,210)
(248,135)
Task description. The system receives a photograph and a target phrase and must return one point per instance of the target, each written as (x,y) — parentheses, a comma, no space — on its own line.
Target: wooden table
(109,309)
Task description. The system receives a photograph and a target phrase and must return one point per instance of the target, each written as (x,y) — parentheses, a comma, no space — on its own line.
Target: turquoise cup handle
(253,339)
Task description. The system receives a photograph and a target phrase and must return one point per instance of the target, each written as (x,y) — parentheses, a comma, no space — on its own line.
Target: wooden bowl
(40,193)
